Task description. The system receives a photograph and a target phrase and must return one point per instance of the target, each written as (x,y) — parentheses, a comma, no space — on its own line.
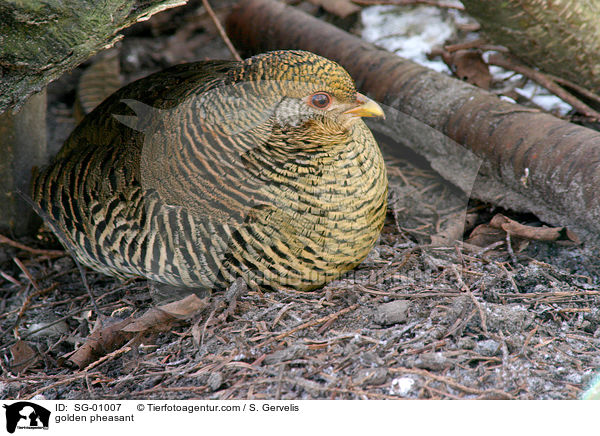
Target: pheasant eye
(320,100)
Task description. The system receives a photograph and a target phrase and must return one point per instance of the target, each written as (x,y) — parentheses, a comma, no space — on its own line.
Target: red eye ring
(320,100)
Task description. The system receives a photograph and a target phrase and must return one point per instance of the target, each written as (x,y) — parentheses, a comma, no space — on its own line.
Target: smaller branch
(468,291)
(545,81)
(49,253)
(510,250)
(575,87)
(109,356)
(307,324)
(479,43)
(528,339)
(86,285)
(410,2)
(64,381)
(221,30)
(450,382)
(10,278)
(510,277)
(280,314)
(25,271)
(30,297)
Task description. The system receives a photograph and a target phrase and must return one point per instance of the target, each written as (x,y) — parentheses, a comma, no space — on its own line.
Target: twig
(441,393)
(464,286)
(575,87)
(545,81)
(58,320)
(50,304)
(10,278)
(510,277)
(221,30)
(280,381)
(410,2)
(27,274)
(31,296)
(528,339)
(325,326)
(574,310)
(56,384)
(510,250)
(281,312)
(309,324)
(206,323)
(49,253)
(477,43)
(489,247)
(196,390)
(109,356)
(88,289)
(427,348)
(231,296)
(452,383)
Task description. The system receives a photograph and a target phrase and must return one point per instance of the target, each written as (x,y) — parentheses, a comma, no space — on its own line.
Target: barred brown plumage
(214,170)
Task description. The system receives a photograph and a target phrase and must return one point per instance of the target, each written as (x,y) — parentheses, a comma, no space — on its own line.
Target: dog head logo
(26,415)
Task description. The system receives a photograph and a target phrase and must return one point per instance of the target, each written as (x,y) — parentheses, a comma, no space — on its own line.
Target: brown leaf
(109,338)
(23,357)
(162,317)
(468,65)
(487,234)
(550,234)
(341,8)
(103,340)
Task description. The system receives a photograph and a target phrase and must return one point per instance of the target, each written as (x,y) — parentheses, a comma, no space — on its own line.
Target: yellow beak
(366,107)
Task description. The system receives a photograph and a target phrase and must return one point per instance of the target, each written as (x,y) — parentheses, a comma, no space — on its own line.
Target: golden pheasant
(209,171)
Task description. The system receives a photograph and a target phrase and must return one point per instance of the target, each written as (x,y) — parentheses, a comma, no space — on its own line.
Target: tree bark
(560,37)
(530,161)
(39,41)
(23,145)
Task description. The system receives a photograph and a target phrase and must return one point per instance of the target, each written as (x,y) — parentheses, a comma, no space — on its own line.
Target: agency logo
(26,415)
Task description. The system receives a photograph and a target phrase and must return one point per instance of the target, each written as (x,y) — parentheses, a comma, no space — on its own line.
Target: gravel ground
(415,320)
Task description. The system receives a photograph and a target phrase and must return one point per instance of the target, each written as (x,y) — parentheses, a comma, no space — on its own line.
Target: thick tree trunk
(560,37)
(22,145)
(39,41)
(530,161)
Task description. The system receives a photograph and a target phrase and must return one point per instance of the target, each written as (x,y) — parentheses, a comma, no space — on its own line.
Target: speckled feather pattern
(209,171)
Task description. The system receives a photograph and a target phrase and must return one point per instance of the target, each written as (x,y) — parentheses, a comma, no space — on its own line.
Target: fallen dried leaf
(103,340)
(485,235)
(341,8)
(533,233)
(162,317)
(468,65)
(23,357)
(109,338)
